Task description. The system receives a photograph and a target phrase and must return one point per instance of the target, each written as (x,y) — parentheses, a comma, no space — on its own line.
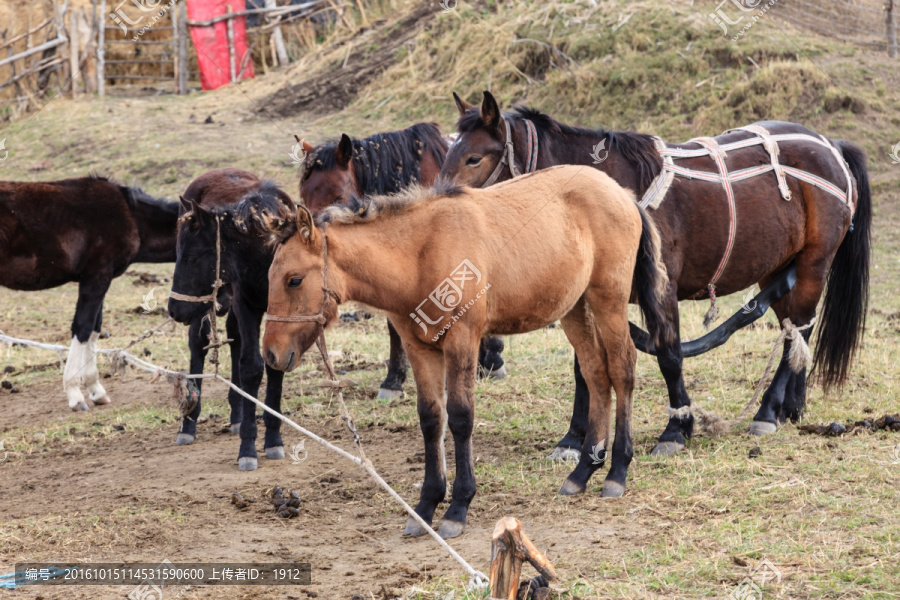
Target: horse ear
(461,105)
(344,150)
(307,147)
(306,227)
(490,111)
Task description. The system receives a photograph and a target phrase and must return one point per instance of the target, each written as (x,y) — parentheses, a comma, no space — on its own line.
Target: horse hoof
(762,428)
(235,428)
(413,529)
(498,374)
(451,529)
(275,452)
(247,463)
(570,488)
(184,439)
(101,400)
(386,394)
(612,489)
(667,448)
(81,406)
(565,455)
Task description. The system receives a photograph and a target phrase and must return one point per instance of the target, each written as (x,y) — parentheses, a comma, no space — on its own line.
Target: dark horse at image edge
(86,230)
(814,231)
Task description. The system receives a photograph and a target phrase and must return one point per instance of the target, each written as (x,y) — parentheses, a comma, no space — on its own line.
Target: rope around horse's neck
(214,341)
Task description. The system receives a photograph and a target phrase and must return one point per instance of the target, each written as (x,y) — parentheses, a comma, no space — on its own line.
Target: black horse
(224,213)
(87,230)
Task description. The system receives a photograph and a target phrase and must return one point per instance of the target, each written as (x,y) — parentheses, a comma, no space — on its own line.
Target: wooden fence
(89,50)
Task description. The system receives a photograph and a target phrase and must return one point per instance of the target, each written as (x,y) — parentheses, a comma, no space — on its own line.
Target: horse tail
(843,317)
(650,282)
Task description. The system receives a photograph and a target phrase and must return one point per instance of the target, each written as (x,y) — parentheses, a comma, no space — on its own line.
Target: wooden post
(232,69)
(891,29)
(278,38)
(182,34)
(510,548)
(73,51)
(101,42)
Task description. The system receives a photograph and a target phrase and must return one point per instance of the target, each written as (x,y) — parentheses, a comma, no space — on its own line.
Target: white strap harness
(655,193)
(658,188)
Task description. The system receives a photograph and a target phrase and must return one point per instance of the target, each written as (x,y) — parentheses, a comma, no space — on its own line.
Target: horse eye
(474,161)
(295,282)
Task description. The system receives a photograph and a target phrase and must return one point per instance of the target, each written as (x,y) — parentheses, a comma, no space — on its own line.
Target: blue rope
(11,581)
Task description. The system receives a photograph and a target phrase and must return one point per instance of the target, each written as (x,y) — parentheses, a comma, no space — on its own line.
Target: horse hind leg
(670,358)
(392,386)
(581,330)
(786,395)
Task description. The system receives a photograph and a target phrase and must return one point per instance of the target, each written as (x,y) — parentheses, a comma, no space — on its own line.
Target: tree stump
(510,549)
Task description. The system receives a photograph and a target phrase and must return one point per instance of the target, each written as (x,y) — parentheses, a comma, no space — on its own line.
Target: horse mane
(369,208)
(384,163)
(262,210)
(637,149)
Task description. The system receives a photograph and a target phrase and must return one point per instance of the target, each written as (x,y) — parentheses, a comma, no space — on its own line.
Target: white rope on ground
(477,578)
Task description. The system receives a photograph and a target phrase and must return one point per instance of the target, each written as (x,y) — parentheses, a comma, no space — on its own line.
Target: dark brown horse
(805,200)
(87,230)
(385,163)
(220,225)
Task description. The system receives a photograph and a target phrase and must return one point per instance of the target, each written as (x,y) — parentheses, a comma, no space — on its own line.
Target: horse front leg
(460,364)
(428,368)
(670,358)
(250,366)
(81,363)
(235,400)
(198,332)
(392,386)
(274,446)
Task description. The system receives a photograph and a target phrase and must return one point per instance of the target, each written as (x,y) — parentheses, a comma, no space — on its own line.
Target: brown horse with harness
(770,203)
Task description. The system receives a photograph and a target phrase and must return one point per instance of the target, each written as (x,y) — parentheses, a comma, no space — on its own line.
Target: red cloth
(211,42)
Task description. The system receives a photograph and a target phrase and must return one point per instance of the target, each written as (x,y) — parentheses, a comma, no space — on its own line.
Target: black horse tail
(650,283)
(843,318)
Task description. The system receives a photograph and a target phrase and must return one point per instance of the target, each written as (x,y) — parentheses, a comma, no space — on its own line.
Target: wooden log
(232,68)
(39,48)
(890,29)
(101,44)
(510,549)
(181,49)
(73,52)
(278,38)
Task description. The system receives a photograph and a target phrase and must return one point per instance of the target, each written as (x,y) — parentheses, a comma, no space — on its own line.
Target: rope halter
(508,158)
(214,341)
